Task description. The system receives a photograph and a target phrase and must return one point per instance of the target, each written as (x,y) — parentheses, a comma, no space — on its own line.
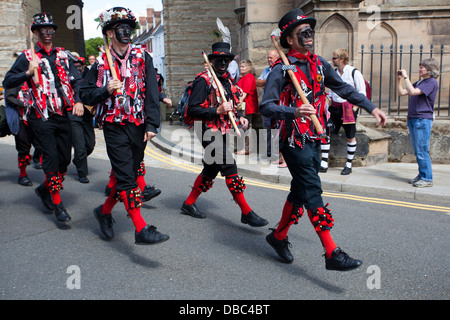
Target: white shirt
(233,69)
(358,82)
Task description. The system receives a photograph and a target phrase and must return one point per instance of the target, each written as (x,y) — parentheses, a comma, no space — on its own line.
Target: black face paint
(304,35)
(123,33)
(221,64)
(46,35)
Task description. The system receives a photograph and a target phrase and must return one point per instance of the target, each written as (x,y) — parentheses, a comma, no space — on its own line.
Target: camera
(399,73)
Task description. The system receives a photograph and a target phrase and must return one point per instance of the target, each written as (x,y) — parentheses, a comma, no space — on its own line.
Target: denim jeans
(420,132)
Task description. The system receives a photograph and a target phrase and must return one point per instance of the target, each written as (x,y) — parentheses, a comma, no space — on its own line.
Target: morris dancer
(130,113)
(54,91)
(206,104)
(299,142)
(24,139)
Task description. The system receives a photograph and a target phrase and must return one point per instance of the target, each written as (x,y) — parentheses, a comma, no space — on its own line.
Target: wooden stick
(222,93)
(111,66)
(33,56)
(313,117)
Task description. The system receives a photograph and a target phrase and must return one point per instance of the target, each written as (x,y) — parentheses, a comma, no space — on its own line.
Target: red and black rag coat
(280,99)
(59,81)
(205,99)
(135,69)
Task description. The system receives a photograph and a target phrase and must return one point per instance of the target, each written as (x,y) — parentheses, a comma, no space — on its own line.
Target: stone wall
(69,39)
(188,29)
(14,30)
(15,25)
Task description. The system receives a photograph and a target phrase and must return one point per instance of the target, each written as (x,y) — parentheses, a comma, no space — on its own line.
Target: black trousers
(55,139)
(24,140)
(125,147)
(217,157)
(83,141)
(303,164)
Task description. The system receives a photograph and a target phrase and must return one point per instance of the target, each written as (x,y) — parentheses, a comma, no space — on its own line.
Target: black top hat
(221,49)
(290,21)
(116,15)
(42,19)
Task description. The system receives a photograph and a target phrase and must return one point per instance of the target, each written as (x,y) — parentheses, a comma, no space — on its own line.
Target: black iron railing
(382,75)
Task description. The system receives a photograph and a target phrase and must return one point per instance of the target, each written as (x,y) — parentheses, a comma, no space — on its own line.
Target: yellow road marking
(197,169)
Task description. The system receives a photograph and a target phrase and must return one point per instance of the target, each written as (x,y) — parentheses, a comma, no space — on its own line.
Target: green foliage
(91,46)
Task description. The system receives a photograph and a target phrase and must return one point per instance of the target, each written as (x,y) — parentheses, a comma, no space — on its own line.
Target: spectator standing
(342,112)
(420,116)
(249,98)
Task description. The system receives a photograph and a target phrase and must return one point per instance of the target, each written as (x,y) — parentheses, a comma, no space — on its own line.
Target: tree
(91,46)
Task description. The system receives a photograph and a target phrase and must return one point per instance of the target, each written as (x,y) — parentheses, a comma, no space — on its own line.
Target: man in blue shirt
(272,56)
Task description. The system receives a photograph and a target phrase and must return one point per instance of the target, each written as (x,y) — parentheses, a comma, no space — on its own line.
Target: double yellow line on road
(174,162)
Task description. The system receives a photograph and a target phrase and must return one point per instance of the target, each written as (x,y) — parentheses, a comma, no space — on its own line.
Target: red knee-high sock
(284,224)
(23,163)
(136,217)
(236,188)
(112,180)
(325,238)
(56,198)
(133,212)
(195,192)
(111,201)
(23,171)
(141,182)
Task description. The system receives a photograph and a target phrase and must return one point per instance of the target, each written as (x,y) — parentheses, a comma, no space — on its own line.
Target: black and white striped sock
(325,148)
(351,149)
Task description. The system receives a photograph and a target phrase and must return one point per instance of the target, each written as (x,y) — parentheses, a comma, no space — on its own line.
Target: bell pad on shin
(206,184)
(236,184)
(141,170)
(322,219)
(24,161)
(134,198)
(55,183)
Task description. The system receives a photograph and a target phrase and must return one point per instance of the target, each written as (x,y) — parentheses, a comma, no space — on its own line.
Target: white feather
(226,36)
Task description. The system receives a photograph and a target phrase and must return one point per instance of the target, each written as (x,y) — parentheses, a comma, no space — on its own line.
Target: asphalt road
(404,249)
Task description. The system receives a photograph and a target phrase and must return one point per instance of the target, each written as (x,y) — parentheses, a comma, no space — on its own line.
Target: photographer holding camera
(420,115)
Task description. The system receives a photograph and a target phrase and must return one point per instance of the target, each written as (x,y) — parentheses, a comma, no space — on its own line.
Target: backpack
(4,128)
(188,120)
(368,88)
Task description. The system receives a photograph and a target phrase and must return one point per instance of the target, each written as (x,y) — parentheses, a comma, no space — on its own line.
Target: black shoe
(253,219)
(24,181)
(83,179)
(149,235)
(45,197)
(341,261)
(346,171)
(192,210)
(61,213)
(281,247)
(37,164)
(105,221)
(150,192)
(323,169)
